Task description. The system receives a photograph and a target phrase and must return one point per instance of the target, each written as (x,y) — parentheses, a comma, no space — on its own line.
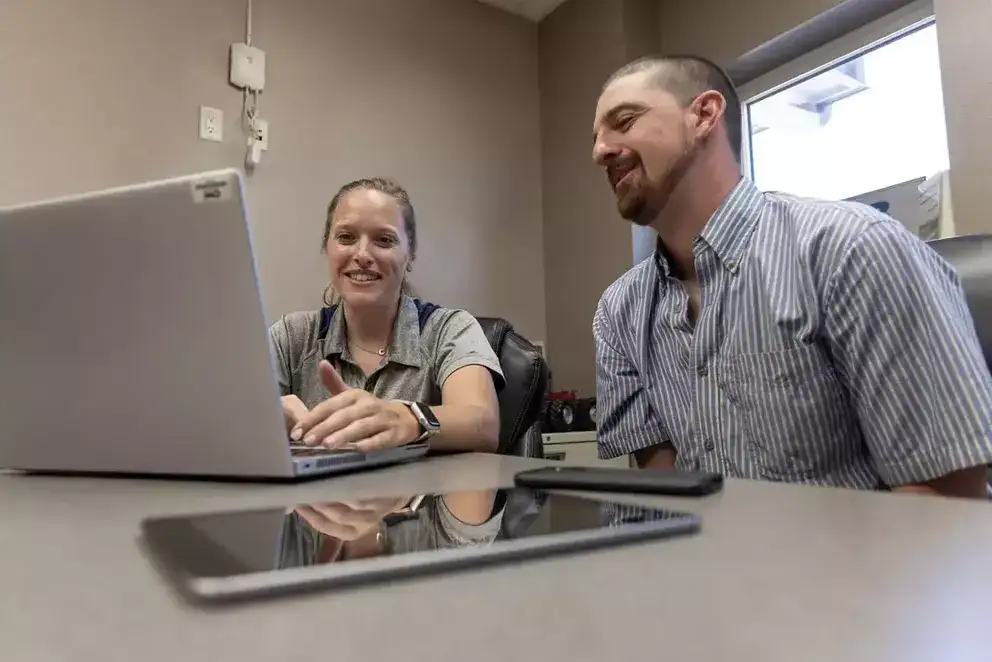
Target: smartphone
(603,479)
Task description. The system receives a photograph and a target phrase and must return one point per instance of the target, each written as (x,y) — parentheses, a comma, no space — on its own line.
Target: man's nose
(603,152)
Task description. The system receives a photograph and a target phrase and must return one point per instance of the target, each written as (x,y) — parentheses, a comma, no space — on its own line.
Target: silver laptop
(133,339)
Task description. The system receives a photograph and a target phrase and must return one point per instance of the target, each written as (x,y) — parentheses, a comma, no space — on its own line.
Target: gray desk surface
(779,573)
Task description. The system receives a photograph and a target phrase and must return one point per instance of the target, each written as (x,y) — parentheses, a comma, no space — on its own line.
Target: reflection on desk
(343,530)
(329,533)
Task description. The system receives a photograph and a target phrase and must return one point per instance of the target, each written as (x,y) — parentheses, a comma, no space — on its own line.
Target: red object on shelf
(562,395)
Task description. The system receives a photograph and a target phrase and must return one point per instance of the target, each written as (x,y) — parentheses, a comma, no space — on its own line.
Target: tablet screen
(344,532)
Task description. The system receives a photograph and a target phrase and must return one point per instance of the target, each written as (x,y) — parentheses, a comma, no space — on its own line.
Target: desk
(779,573)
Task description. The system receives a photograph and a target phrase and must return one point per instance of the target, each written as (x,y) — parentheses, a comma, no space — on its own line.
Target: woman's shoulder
(443,321)
(296,329)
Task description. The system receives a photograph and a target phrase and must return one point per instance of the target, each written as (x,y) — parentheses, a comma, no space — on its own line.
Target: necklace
(380,352)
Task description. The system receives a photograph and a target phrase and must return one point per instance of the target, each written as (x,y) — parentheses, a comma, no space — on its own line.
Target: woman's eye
(346,238)
(386,241)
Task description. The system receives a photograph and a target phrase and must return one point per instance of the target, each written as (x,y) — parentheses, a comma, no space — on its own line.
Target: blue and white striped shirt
(831,347)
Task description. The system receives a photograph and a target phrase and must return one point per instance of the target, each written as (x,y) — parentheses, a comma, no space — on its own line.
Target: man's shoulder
(811,221)
(824,233)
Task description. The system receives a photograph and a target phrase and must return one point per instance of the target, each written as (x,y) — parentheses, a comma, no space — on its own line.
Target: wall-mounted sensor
(247,67)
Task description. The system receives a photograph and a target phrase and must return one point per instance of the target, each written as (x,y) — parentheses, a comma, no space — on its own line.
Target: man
(771,336)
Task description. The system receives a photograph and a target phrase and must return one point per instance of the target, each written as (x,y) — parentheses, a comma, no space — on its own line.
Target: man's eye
(624,122)
(346,238)
(386,240)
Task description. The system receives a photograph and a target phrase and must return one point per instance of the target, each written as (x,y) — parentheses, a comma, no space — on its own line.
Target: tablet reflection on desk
(332,532)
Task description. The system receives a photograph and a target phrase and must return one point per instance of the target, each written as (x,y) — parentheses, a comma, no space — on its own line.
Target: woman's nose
(363,256)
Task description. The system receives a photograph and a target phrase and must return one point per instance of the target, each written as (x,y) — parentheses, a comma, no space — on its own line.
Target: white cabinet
(577,448)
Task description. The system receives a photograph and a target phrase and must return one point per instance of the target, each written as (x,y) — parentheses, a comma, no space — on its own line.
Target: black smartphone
(604,479)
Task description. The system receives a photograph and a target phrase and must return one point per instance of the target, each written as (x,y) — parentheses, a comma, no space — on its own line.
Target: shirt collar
(729,229)
(404,348)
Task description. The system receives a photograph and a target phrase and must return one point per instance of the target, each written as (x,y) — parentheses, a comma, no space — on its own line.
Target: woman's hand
(293,410)
(349,520)
(355,418)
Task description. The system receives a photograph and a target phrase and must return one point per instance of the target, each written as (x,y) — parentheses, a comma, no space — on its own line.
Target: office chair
(971,255)
(526,375)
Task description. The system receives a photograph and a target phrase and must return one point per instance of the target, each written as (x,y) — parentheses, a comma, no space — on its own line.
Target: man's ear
(709,108)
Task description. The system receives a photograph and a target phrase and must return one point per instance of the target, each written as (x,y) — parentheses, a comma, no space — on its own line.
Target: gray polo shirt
(416,364)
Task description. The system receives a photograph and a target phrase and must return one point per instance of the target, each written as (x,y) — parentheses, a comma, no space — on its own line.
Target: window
(871,119)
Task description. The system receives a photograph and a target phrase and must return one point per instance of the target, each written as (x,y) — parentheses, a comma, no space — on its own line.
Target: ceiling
(535,10)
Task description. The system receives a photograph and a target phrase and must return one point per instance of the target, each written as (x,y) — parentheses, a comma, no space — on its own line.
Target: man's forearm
(968,483)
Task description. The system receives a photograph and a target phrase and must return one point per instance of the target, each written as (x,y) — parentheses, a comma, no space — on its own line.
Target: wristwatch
(429,424)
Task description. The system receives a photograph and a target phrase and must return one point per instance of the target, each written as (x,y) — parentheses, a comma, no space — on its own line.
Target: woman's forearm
(466,428)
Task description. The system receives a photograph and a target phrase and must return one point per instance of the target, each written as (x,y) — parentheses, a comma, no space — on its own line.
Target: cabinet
(577,448)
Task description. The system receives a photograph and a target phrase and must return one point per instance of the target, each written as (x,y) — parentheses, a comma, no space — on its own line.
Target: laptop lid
(134,338)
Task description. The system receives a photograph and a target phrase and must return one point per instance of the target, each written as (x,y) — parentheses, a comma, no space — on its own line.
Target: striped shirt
(831,347)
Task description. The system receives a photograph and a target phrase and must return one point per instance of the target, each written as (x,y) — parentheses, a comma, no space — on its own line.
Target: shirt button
(709,445)
(702,370)
(752,447)
(731,264)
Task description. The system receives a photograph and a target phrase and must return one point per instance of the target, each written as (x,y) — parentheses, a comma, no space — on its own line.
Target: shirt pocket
(792,407)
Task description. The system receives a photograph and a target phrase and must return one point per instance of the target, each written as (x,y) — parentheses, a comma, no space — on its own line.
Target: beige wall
(441,94)
(723,31)
(964,28)
(586,244)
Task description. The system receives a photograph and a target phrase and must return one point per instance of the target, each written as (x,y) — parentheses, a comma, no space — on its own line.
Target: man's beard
(643,207)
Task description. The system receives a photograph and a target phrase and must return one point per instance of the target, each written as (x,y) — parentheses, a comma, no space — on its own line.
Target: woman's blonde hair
(402,198)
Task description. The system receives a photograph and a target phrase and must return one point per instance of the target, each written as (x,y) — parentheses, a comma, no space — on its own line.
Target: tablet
(334,544)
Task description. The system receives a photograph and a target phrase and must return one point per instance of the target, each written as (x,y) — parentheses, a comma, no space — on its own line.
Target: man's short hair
(686,77)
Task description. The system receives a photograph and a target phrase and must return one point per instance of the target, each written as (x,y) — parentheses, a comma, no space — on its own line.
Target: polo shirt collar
(404,348)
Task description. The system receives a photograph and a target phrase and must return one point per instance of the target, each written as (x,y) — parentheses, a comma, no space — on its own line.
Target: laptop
(133,339)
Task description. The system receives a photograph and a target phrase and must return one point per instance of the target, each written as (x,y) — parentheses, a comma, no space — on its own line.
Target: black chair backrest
(525,373)
(971,255)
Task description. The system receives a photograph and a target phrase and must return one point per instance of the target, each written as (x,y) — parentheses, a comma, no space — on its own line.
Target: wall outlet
(211,124)
(262,133)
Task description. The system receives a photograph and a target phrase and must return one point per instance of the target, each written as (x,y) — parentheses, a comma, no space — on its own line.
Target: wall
(723,31)
(733,32)
(963,30)
(441,94)
(586,244)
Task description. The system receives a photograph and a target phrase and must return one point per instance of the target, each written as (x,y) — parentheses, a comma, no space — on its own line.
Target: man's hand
(293,410)
(355,418)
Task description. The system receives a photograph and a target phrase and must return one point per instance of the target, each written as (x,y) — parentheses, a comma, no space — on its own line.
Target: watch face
(428,415)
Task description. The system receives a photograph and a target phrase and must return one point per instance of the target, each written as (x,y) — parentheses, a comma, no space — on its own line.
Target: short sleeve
(626,420)
(279,337)
(904,342)
(461,342)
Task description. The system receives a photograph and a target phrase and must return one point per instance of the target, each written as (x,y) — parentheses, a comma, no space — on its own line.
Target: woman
(376,368)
